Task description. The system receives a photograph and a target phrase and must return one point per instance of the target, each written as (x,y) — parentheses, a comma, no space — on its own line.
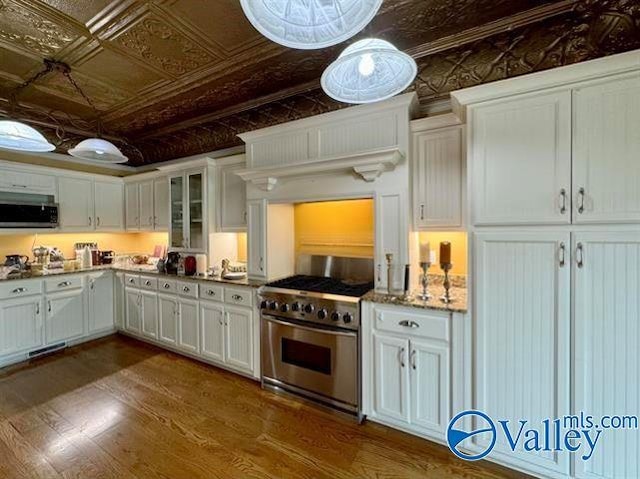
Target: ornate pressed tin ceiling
(180,77)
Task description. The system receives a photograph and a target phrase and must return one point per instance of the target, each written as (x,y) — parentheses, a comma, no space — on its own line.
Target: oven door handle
(272,319)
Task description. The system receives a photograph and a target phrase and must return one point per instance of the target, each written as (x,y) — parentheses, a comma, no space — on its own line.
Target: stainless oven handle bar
(273,319)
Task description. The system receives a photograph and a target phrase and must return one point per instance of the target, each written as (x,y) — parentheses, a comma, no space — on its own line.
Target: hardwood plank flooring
(119,408)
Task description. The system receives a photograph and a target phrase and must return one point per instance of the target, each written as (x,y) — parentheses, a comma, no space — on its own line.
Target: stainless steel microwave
(28,215)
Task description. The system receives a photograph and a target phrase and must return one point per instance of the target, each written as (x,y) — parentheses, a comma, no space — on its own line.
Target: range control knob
(309,308)
(273,305)
(284,308)
(263,304)
(296,307)
(335,316)
(322,314)
(347,317)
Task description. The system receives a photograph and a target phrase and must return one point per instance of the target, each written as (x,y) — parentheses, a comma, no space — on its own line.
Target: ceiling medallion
(368,71)
(309,24)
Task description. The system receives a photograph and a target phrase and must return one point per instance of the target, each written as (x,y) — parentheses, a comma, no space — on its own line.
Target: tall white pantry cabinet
(554,195)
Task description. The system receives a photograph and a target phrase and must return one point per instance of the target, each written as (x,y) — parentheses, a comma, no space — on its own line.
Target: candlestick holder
(389,257)
(424,281)
(446,297)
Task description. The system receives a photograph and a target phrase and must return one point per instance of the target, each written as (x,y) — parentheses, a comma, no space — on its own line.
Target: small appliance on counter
(173,262)
(106,257)
(17,261)
(41,255)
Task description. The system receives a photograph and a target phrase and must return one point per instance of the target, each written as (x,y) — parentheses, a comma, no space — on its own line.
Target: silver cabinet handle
(581,200)
(49,306)
(245,217)
(19,290)
(409,324)
(422,212)
(220,321)
(89,220)
(97,221)
(63,284)
(579,255)
(226,319)
(379,272)
(166,285)
(412,358)
(131,280)
(147,283)
(261,264)
(186,289)
(237,297)
(563,199)
(211,292)
(91,284)
(562,255)
(37,308)
(402,357)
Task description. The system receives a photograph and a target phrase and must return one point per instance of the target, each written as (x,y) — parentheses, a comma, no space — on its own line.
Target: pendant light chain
(67,74)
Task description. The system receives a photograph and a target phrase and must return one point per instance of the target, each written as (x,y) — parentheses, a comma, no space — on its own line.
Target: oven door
(320,363)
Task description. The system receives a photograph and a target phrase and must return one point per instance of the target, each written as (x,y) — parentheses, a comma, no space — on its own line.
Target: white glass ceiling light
(309,24)
(97,149)
(18,136)
(367,71)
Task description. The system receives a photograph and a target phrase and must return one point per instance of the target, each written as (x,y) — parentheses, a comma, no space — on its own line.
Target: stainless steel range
(310,330)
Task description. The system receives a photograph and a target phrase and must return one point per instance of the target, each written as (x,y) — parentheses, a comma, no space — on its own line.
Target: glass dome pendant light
(15,135)
(368,71)
(310,24)
(94,149)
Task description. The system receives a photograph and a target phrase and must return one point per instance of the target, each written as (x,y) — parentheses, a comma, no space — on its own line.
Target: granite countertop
(459,295)
(238,282)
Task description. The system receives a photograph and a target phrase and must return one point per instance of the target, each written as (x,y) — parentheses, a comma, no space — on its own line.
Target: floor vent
(48,350)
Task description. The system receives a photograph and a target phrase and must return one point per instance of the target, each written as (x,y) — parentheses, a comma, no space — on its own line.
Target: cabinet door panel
(132,206)
(391,381)
(133,319)
(75,197)
(606,337)
(257,238)
(146,205)
(521,160)
(167,319)
(109,198)
(233,191)
(101,303)
(430,386)
(149,314)
(606,142)
(239,338)
(161,204)
(177,232)
(391,238)
(522,338)
(212,320)
(65,316)
(188,337)
(437,176)
(20,325)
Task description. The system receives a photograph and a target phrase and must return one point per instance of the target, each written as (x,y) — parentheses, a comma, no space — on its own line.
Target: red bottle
(190,266)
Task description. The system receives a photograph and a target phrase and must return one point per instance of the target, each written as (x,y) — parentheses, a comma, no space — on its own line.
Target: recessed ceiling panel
(81,10)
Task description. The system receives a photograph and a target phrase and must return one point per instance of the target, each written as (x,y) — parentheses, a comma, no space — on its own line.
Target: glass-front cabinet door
(195,224)
(177,233)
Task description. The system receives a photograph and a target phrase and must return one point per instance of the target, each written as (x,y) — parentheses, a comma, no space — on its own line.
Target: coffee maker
(173,261)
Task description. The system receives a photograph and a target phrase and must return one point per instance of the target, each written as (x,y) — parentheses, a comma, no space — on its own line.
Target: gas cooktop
(321,284)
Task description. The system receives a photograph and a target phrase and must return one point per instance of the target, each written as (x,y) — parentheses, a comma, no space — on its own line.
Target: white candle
(432,257)
(425,252)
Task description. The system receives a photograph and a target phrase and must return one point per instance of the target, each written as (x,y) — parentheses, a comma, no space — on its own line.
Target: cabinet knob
(186,289)
(166,286)
(131,280)
(147,283)
(18,290)
(237,297)
(409,324)
(211,292)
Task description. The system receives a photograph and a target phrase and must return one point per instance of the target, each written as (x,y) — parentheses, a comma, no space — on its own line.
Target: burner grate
(319,284)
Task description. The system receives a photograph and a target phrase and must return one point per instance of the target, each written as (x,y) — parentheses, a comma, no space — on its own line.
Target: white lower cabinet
(149,314)
(167,319)
(407,368)
(21,325)
(212,318)
(133,311)
(101,305)
(238,336)
(65,317)
(188,331)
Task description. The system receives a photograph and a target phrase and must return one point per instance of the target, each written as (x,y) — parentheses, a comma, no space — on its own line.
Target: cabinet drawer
(18,289)
(189,289)
(238,296)
(148,283)
(212,292)
(167,285)
(423,325)
(132,280)
(63,283)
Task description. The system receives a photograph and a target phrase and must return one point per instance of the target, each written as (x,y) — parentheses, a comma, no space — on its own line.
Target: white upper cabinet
(606,337)
(233,199)
(521,160)
(109,206)
(189,213)
(522,347)
(132,206)
(76,200)
(437,174)
(161,204)
(391,238)
(257,239)
(606,151)
(146,192)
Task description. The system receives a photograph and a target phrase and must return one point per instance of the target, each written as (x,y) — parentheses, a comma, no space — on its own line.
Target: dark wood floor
(120,408)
